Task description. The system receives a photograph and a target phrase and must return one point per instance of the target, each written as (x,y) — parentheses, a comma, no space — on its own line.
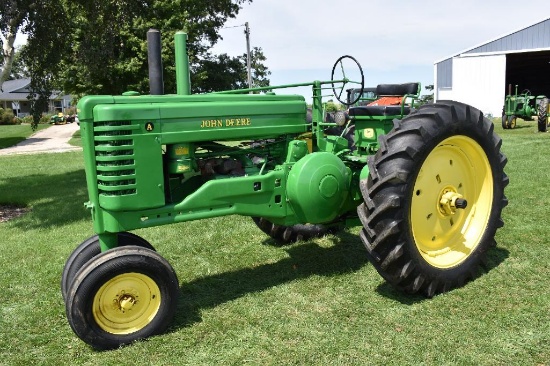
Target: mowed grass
(245,301)
(12,135)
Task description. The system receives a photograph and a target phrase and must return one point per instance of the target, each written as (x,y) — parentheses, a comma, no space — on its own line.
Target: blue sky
(395,41)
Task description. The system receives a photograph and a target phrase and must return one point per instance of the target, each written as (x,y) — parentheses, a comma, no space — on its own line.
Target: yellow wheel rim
(126,303)
(446,235)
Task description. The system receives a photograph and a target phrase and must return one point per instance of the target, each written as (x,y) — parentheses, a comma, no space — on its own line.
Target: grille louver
(115,159)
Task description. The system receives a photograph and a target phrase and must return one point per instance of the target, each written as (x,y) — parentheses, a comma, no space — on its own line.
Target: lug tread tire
(387,192)
(291,234)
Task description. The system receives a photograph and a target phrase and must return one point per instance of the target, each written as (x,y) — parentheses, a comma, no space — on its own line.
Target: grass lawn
(12,135)
(76,139)
(246,301)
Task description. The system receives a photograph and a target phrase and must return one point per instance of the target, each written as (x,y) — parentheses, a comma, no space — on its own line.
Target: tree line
(99,47)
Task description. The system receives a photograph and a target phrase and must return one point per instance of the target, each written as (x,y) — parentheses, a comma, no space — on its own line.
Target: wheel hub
(126,302)
(450,200)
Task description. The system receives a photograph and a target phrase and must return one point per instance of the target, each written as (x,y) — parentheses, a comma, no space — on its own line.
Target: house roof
(18,85)
(17,90)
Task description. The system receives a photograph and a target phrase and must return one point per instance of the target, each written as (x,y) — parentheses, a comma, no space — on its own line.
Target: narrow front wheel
(90,248)
(122,295)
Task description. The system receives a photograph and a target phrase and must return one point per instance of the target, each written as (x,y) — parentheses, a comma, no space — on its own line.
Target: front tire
(418,235)
(512,122)
(543,115)
(504,121)
(122,295)
(88,249)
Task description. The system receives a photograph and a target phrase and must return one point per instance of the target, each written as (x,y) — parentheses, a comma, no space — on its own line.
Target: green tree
(99,47)
(113,60)
(260,72)
(18,68)
(216,73)
(427,98)
(40,21)
(13,16)
(46,36)
(331,106)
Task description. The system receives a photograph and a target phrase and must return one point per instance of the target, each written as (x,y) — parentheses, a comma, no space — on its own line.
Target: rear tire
(543,115)
(416,238)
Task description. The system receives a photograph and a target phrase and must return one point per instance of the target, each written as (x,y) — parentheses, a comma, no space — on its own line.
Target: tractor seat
(389,102)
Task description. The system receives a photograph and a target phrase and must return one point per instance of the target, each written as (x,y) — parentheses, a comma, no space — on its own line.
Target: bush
(7,118)
(70,111)
(45,118)
(27,119)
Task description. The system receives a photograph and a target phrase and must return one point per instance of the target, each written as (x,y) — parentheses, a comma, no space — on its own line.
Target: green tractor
(525,106)
(426,186)
(364,96)
(58,119)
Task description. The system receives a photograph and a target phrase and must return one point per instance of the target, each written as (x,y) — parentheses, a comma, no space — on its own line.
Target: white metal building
(481,76)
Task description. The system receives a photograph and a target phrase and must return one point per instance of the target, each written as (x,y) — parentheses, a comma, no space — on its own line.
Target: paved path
(51,140)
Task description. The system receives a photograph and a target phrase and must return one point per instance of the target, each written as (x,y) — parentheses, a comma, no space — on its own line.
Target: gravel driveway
(51,140)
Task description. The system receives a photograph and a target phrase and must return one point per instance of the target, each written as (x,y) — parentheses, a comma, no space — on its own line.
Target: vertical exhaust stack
(183,80)
(156,81)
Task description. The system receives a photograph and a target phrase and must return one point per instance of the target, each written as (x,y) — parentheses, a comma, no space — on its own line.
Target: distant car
(71,118)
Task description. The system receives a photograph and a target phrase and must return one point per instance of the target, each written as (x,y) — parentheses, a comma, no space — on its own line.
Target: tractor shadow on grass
(54,200)
(521,127)
(347,255)
(307,259)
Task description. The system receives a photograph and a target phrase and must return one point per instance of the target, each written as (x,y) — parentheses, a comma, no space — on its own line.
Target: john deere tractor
(366,95)
(526,106)
(426,186)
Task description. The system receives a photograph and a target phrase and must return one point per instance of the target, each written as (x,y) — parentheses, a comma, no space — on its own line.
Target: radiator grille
(115,159)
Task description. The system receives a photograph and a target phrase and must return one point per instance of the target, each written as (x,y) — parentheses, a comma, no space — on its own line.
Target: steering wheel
(339,69)
(526,91)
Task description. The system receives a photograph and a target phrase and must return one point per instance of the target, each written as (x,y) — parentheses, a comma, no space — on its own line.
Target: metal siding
(533,37)
(508,41)
(445,74)
(480,82)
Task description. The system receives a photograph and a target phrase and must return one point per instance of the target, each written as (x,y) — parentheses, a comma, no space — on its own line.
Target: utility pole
(248,67)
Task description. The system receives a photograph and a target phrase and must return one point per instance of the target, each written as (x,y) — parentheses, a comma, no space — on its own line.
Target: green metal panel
(318,187)
(128,165)
(226,120)
(368,130)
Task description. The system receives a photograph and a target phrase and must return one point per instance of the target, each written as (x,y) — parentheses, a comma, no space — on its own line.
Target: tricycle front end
(425,184)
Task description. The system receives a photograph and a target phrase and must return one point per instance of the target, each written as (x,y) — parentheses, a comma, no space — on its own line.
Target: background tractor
(426,186)
(58,119)
(366,95)
(525,106)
